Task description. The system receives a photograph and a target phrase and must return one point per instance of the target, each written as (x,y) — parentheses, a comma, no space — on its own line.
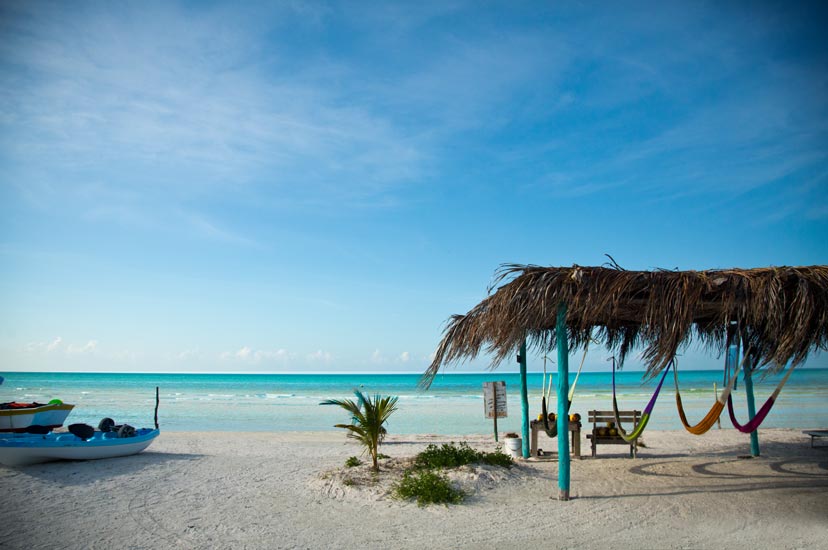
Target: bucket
(514,446)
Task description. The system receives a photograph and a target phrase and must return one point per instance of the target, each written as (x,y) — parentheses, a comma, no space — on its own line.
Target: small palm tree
(368,418)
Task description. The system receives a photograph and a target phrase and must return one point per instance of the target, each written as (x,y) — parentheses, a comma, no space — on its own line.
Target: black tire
(37,429)
(106,425)
(126,431)
(83,431)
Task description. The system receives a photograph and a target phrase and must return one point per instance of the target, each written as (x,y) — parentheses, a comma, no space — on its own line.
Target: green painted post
(563,401)
(754,435)
(524,399)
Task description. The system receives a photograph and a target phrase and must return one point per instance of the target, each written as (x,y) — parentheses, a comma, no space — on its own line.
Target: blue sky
(288,187)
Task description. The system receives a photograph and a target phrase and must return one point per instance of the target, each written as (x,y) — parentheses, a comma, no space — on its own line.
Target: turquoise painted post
(731,364)
(754,435)
(563,401)
(524,400)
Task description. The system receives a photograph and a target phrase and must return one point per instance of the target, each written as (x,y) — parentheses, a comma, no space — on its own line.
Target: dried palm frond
(782,311)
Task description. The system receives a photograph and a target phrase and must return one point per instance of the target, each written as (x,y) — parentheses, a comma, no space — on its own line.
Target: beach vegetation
(428,487)
(368,417)
(352,462)
(497,458)
(451,455)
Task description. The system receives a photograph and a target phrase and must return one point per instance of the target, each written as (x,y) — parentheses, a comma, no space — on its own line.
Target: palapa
(782,313)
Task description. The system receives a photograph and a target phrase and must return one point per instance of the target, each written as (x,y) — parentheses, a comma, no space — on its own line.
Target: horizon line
(401,373)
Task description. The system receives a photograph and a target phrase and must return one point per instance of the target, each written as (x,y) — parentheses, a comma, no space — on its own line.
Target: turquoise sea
(453,405)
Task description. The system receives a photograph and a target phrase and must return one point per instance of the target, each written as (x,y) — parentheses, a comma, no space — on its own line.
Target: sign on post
(494,401)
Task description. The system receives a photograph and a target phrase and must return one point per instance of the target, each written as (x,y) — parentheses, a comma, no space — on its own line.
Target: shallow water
(453,404)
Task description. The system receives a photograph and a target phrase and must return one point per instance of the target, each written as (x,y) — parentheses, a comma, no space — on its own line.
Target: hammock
(715,411)
(552,430)
(763,412)
(645,416)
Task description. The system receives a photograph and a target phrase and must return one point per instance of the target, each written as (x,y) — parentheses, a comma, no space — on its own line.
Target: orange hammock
(715,411)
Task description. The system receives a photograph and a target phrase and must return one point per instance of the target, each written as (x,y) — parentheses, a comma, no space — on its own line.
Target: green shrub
(450,455)
(381,456)
(352,461)
(497,458)
(447,455)
(428,488)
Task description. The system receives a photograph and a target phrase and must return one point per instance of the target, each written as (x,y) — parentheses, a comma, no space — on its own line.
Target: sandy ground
(280,490)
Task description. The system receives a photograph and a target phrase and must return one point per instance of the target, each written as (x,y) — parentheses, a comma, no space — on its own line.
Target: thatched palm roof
(781,311)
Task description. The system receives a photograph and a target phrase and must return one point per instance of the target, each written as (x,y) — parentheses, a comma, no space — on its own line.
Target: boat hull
(26,449)
(18,419)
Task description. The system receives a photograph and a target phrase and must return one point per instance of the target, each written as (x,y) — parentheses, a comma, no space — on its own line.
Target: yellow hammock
(552,429)
(715,411)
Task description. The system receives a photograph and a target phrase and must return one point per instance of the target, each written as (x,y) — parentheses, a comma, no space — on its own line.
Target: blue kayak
(25,449)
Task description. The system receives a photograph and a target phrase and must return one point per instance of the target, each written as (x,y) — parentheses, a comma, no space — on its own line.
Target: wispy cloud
(166,117)
(246,354)
(89,347)
(57,345)
(319,356)
(54,344)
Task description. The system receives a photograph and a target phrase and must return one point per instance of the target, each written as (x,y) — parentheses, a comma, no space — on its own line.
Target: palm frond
(368,416)
(781,311)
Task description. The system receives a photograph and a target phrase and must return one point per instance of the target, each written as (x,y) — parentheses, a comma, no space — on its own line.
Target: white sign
(494,399)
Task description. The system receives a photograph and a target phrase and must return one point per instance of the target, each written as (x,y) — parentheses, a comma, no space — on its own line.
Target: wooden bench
(816,434)
(601,431)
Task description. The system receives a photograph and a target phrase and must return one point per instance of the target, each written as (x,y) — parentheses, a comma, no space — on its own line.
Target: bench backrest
(602,417)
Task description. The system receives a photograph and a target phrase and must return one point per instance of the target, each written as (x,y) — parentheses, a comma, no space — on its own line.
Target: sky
(295,187)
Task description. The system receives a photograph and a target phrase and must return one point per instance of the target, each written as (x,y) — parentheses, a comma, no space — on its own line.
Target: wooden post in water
(563,401)
(524,399)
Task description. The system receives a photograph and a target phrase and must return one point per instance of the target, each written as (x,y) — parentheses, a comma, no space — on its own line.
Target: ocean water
(453,404)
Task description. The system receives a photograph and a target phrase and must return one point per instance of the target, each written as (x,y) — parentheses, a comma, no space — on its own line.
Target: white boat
(16,417)
(25,449)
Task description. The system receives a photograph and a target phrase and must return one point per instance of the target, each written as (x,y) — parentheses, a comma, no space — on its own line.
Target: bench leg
(533,442)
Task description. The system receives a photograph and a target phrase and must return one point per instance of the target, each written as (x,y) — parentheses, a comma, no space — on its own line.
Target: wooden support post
(716,397)
(563,402)
(494,404)
(754,435)
(524,400)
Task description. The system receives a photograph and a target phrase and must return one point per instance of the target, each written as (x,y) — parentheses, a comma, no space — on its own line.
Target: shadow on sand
(85,472)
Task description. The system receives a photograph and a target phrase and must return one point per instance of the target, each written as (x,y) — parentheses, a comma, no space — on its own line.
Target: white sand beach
(270,490)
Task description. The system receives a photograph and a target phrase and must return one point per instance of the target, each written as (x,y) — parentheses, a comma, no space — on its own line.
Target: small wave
(418,397)
(279,395)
